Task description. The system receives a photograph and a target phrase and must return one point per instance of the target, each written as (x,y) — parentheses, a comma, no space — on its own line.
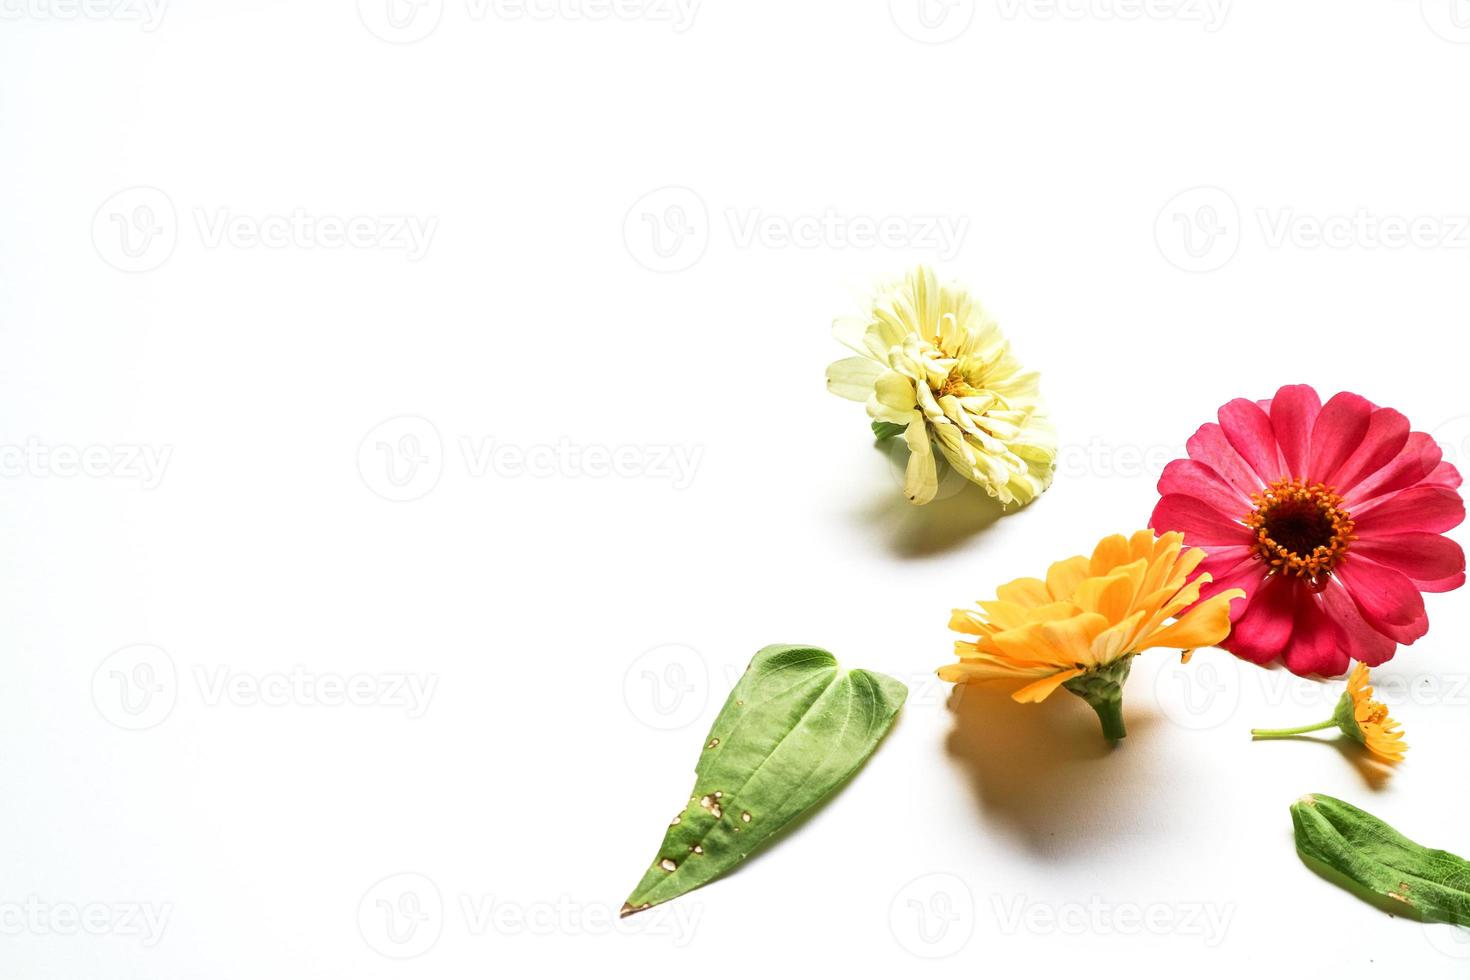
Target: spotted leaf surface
(795,727)
(1427,884)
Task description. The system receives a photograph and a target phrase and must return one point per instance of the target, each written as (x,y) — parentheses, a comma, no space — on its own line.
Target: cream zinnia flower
(934,363)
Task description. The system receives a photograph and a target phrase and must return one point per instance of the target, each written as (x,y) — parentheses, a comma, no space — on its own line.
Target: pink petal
(1249,432)
(1314,641)
(1201,523)
(1422,508)
(1264,631)
(1423,557)
(1209,446)
(1386,598)
(1360,640)
(1388,432)
(1417,461)
(1196,479)
(1449,584)
(1293,411)
(1444,475)
(1340,427)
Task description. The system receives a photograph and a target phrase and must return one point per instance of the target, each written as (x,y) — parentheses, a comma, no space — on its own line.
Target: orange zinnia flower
(1081,627)
(1357,716)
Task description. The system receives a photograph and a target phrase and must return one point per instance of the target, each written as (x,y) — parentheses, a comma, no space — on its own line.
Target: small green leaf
(1426,884)
(885,430)
(793,730)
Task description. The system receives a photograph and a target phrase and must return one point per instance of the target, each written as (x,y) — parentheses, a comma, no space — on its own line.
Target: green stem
(1289,732)
(1110,713)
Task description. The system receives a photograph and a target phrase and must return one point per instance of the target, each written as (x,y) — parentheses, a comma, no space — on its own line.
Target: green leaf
(884,430)
(1394,871)
(793,730)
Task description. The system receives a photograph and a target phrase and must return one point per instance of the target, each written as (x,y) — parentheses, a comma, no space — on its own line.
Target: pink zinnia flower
(1328,516)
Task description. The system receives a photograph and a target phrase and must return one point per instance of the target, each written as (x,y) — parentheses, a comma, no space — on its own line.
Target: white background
(575,629)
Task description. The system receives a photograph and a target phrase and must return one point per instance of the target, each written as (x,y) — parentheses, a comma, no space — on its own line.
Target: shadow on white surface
(1043,773)
(1375,774)
(960,511)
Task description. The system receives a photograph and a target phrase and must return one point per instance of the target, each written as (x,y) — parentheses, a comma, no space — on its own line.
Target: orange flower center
(955,384)
(1301,529)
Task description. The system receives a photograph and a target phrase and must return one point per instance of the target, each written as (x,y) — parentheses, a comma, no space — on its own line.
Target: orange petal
(1041,690)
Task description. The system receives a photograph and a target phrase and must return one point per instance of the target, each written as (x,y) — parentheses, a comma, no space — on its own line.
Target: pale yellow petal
(921,478)
(854,378)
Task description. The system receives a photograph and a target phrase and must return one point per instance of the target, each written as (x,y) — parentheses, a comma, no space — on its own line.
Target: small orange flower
(1366,720)
(1357,716)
